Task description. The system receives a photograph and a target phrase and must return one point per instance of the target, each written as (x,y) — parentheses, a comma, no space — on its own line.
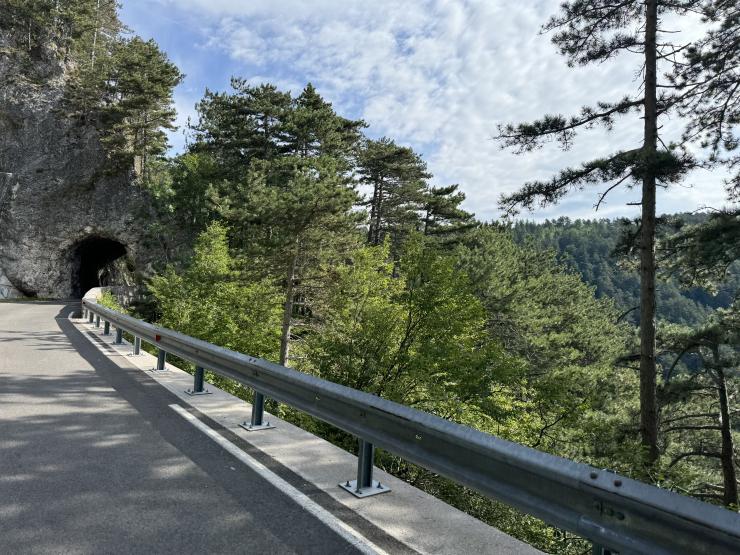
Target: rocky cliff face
(62,219)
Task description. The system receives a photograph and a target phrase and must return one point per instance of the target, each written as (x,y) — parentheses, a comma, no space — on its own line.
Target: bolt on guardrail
(617,514)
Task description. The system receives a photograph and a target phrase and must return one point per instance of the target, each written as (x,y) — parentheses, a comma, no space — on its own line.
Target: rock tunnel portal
(92,260)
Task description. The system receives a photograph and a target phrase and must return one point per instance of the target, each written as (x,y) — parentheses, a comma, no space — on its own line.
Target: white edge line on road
(346,532)
(343,529)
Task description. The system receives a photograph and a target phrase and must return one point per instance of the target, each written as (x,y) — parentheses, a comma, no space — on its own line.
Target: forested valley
(291,232)
(593,249)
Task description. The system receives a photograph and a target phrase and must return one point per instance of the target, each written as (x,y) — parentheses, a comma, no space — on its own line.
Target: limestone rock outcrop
(62,218)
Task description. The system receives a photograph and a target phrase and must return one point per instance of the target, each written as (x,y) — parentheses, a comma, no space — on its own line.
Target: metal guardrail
(616,513)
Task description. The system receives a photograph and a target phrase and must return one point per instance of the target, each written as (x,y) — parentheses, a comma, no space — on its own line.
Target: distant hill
(587,247)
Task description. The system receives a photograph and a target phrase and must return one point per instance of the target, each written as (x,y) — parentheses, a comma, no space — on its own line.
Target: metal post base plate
(377,488)
(248,426)
(193,392)
(155,369)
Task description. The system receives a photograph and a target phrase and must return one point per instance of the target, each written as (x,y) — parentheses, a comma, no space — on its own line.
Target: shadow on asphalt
(83,471)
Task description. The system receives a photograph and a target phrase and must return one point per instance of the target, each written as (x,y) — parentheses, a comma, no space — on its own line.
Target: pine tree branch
(549,192)
(697,453)
(679,428)
(608,190)
(525,137)
(695,415)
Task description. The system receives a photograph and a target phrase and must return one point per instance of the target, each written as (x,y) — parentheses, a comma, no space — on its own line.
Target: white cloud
(439,75)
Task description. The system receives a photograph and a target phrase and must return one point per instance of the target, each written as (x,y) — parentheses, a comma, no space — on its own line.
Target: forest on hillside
(592,249)
(288,233)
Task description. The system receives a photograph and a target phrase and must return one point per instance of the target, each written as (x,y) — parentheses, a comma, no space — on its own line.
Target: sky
(436,75)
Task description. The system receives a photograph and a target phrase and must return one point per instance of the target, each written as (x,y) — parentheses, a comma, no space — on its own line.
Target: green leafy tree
(418,337)
(568,340)
(290,215)
(211,301)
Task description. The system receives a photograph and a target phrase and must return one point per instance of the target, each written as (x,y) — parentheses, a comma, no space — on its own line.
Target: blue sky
(437,75)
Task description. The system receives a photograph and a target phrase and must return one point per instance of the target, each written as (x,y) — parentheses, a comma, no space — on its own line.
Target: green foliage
(137,106)
(698,413)
(415,335)
(109,300)
(705,254)
(712,109)
(589,248)
(567,339)
(444,220)
(520,332)
(209,301)
(398,177)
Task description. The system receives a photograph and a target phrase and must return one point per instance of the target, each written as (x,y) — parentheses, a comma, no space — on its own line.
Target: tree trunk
(648,403)
(287,311)
(373,209)
(95,35)
(378,215)
(726,455)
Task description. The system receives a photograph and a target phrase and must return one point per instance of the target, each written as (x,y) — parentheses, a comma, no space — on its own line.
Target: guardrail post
(106,327)
(161,358)
(97,321)
(119,336)
(90,316)
(197,383)
(601,550)
(258,412)
(137,346)
(364,485)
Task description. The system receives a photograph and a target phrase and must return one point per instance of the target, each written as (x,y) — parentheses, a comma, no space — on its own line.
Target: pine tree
(398,177)
(293,215)
(708,85)
(703,254)
(138,104)
(243,125)
(312,128)
(443,217)
(594,31)
(700,424)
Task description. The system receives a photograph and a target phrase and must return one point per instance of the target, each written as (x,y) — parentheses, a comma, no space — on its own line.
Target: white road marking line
(346,532)
(343,529)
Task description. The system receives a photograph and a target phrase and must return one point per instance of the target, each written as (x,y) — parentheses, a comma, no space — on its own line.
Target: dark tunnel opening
(91,259)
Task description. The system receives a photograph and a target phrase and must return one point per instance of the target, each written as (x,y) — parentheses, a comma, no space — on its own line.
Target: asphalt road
(92,460)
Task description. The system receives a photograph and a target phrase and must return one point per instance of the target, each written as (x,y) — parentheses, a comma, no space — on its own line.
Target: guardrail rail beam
(616,513)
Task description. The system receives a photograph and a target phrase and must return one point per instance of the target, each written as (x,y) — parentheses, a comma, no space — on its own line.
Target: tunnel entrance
(92,260)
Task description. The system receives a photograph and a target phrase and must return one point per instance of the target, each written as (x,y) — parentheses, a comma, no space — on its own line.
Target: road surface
(92,459)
